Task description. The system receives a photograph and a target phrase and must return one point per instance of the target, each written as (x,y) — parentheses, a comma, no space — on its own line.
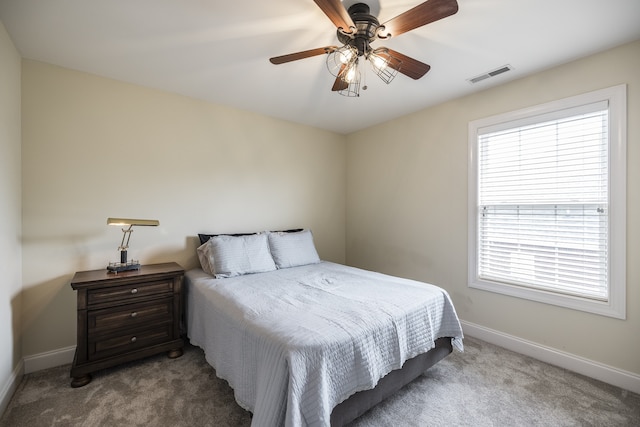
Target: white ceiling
(218,50)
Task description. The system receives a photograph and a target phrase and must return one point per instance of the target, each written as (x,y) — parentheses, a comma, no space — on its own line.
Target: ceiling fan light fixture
(351,78)
(340,59)
(384,65)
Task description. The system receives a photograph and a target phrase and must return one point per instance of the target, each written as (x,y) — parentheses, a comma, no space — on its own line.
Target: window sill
(613,308)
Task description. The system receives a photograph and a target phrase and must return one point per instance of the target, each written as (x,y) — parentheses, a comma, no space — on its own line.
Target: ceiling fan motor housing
(366,29)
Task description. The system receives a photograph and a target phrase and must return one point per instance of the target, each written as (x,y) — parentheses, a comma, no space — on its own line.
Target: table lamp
(124,264)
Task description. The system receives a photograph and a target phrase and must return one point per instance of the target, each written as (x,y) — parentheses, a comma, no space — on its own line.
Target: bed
(309,342)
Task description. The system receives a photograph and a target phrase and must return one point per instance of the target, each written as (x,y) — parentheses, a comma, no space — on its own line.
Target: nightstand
(126,316)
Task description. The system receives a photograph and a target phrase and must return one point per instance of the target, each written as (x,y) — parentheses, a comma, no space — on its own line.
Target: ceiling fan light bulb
(345,56)
(350,74)
(379,62)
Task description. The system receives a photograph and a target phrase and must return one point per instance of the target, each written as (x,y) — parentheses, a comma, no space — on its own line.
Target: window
(547,208)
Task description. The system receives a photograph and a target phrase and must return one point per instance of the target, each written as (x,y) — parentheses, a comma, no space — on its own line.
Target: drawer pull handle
(134,314)
(134,291)
(134,339)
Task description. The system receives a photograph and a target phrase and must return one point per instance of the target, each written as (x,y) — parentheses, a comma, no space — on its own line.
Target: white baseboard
(49,359)
(608,374)
(10,386)
(38,362)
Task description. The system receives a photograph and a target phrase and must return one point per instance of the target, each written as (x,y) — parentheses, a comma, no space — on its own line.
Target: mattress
(294,343)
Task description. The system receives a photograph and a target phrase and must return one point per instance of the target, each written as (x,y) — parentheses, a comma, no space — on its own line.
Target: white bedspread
(294,343)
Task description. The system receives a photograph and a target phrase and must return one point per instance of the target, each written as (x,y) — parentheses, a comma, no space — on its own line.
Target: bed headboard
(205,237)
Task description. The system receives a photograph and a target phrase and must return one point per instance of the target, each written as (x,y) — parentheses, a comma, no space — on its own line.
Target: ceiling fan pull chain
(364,79)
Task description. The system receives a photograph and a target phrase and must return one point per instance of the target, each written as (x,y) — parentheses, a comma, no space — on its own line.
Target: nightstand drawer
(131,315)
(129,341)
(132,292)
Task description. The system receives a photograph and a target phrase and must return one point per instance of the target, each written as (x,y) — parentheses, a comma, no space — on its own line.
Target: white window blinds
(543,215)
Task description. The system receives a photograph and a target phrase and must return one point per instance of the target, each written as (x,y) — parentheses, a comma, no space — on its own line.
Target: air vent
(492,73)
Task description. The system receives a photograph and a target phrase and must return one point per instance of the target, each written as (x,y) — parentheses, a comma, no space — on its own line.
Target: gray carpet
(484,386)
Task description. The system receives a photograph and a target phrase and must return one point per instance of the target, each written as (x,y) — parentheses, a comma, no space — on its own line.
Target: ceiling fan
(357,29)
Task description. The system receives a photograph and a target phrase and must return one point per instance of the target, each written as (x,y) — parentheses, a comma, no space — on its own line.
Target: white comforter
(294,343)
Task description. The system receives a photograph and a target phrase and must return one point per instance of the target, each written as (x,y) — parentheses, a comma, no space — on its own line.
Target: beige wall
(407,207)
(95,148)
(10,210)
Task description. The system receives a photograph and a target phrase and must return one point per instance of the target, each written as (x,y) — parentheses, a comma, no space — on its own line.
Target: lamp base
(116,267)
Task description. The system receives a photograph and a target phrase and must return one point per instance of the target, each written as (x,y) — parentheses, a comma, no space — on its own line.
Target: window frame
(615,305)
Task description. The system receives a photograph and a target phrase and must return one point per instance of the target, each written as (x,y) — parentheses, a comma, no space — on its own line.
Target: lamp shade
(130,221)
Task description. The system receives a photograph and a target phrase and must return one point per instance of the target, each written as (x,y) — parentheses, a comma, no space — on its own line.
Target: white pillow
(293,249)
(205,255)
(238,255)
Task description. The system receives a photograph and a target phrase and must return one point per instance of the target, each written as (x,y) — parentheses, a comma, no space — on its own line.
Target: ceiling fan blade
(302,55)
(337,14)
(340,84)
(423,14)
(409,67)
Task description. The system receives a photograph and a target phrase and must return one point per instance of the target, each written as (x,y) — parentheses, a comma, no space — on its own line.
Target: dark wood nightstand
(126,316)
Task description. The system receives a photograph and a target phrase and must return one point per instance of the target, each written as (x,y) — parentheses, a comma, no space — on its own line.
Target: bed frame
(361,402)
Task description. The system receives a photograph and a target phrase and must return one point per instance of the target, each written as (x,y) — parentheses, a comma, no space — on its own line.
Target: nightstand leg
(175,353)
(81,381)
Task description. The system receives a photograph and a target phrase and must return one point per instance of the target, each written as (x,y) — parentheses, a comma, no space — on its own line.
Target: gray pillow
(293,249)
(238,255)
(205,255)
